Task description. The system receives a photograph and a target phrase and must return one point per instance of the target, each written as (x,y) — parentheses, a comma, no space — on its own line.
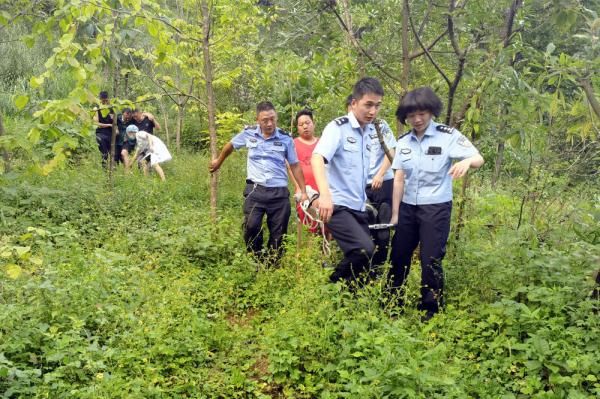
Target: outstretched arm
(216,163)
(461,168)
(153,119)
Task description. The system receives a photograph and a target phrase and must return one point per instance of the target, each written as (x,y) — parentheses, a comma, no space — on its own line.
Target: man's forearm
(298,177)
(398,193)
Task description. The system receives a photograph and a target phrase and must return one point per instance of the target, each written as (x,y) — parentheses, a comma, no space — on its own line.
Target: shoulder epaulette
(283,132)
(444,129)
(250,127)
(341,120)
(405,134)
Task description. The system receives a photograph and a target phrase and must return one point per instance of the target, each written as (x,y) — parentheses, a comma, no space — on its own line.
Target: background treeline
(517,76)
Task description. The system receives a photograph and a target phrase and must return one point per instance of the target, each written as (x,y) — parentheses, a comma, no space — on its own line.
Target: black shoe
(427,316)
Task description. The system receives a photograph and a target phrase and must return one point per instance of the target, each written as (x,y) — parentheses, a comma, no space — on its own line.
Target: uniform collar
(430,131)
(275,135)
(354,123)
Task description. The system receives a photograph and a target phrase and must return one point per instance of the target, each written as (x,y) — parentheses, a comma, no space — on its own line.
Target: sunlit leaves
(21,101)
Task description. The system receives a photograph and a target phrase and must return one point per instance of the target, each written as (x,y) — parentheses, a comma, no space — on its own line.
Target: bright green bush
(130,291)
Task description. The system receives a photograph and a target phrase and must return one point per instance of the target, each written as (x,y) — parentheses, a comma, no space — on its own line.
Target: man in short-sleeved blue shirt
(266,192)
(340,163)
(422,199)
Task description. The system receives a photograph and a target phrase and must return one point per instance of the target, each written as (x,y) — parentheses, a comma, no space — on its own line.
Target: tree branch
(431,45)
(426,51)
(588,89)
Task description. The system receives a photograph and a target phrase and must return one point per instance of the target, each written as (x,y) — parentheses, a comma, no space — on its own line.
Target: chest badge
(351,140)
(278,143)
(405,151)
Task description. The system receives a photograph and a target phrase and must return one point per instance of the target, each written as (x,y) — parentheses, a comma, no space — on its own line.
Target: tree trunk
(113,141)
(113,138)
(210,102)
(498,163)
(180,115)
(586,85)
(165,112)
(405,59)
(5,154)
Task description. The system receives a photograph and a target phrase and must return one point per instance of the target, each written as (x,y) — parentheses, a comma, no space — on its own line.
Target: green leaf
(13,271)
(34,135)
(73,62)
(152,29)
(36,81)
(21,101)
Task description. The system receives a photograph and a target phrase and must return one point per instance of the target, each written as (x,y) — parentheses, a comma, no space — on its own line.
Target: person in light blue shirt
(424,167)
(340,163)
(266,191)
(380,184)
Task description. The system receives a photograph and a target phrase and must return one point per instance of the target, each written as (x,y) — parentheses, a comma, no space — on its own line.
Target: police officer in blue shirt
(380,184)
(422,199)
(266,192)
(340,163)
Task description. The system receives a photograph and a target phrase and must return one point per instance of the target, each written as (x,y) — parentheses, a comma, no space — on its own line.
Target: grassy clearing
(130,291)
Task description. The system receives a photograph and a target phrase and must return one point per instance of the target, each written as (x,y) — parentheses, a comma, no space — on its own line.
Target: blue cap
(132,128)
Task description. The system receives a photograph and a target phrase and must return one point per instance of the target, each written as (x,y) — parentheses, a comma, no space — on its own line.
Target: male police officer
(266,189)
(345,146)
(422,199)
(380,185)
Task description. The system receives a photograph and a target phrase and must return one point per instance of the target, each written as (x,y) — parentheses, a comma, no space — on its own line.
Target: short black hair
(264,106)
(103,95)
(349,100)
(126,109)
(421,99)
(366,86)
(306,112)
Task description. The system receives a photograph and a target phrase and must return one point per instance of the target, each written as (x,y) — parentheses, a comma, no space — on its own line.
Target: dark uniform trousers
(350,228)
(382,200)
(275,203)
(103,140)
(428,225)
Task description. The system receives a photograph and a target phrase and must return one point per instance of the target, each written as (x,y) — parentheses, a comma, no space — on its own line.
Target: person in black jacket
(103,117)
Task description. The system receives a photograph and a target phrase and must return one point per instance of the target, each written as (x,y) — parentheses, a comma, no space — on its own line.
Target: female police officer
(422,200)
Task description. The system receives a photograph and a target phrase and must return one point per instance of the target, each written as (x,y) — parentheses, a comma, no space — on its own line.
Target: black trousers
(275,203)
(103,141)
(382,200)
(350,228)
(429,226)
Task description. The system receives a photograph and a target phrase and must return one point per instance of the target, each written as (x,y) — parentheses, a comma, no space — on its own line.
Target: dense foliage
(121,286)
(130,291)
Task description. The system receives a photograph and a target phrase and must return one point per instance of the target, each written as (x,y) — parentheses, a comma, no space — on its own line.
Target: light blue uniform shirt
(266,157)
(426,163)
(346,149)
(377,152)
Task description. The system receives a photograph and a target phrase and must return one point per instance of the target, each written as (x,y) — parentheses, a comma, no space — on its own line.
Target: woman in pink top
(305,144)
